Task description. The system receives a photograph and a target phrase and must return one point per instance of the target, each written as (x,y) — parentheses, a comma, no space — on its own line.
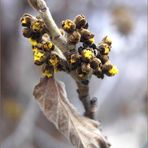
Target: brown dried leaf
(80,131)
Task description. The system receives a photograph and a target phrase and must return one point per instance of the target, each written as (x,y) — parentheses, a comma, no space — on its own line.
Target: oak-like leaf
(80,131)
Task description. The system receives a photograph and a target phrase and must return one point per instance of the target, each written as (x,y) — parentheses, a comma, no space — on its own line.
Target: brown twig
(88,103)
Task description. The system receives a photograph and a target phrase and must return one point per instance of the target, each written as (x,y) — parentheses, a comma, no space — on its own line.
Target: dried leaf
(80,131)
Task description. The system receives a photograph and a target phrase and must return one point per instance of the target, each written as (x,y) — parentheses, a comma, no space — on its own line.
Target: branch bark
(89,104)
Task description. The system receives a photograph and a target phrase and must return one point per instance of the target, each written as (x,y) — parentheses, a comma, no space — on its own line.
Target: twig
(88,103)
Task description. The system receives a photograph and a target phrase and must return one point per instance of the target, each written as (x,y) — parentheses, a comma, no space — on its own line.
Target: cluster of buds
(88,58)
(42,48)
(85,60)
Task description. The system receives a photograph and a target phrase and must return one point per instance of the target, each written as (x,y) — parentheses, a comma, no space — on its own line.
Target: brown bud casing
(85,68)
(68,25)
(27,32)
(80,21)
(74,38)
(95,63)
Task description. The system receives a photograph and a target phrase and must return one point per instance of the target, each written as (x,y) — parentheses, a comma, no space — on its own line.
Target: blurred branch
(24,130)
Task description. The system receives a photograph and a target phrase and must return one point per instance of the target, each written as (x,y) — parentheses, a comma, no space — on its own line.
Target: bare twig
(88,103)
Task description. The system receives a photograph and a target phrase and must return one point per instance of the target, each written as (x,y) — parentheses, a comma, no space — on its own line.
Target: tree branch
(90,105)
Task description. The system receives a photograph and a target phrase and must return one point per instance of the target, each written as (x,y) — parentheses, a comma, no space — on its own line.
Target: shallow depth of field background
(122,100)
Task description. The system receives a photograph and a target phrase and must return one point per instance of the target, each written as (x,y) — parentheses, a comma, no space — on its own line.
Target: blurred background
(122,100)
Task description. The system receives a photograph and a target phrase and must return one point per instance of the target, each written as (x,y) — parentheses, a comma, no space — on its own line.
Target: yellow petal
(47,74)
(113,71)
(33,42)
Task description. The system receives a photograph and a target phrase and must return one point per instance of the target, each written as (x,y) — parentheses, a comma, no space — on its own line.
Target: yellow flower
(33,42)
(48,45)
(113,71)
(107,49)
(37,55)
(54,60)
(47,74)
(92,40)
(38,26)
(88,54)
(68,25)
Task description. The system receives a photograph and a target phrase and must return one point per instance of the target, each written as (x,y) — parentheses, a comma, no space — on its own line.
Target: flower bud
(74,38)
(48,46)
(74,58)
(104,48)
(87,54)
(39,56)
(95,63)
(27,32)
(86,36)
(68,25)
(98,72)
(109,69)
(54,60)
(103,58)
(85,68)
(80,21)
(26,21)
(38,26)
(47,71)
(107,40)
